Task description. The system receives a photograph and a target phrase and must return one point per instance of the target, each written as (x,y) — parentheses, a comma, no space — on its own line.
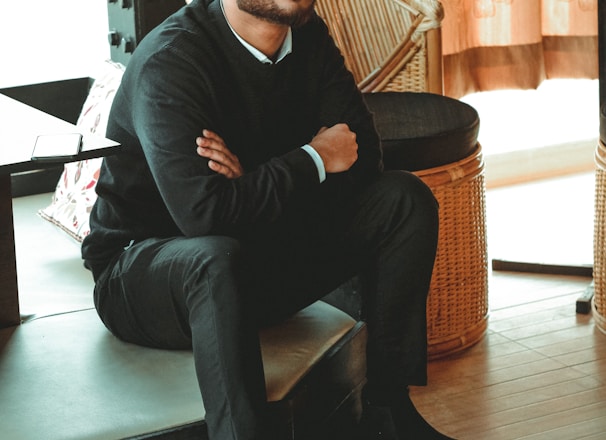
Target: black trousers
(213,293)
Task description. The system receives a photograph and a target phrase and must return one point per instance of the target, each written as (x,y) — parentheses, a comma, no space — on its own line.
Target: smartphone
(57,147)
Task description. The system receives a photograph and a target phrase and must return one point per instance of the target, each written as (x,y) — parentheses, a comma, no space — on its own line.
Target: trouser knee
(406,196)
(210,251)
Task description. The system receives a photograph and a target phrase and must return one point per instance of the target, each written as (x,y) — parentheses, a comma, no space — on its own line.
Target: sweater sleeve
(168,117)
(342,102)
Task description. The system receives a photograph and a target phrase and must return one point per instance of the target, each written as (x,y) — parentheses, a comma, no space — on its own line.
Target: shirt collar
(285,49)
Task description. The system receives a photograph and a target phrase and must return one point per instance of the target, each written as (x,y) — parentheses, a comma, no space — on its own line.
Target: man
(251,185)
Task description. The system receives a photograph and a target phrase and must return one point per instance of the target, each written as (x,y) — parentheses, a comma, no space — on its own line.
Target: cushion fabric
(421,130)
(75,192)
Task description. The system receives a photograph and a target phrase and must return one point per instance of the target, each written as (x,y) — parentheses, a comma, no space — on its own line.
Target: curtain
(516,44)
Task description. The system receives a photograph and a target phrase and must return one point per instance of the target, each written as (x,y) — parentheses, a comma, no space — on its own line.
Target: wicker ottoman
(457,309)
(599,239)
(436,137)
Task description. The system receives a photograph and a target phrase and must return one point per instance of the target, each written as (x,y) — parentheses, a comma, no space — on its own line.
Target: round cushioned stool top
(423,130)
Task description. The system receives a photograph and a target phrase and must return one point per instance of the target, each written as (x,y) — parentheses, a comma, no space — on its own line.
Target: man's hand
(221,160)
(337,146)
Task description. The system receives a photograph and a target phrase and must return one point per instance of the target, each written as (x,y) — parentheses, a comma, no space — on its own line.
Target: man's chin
(269,11)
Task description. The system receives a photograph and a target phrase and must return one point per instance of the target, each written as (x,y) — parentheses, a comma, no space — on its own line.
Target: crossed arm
(336,145)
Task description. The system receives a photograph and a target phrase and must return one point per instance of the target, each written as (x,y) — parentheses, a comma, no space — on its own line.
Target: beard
(269,11)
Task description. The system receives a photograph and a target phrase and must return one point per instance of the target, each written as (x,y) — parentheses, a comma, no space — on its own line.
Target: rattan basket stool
(457,308)
(599,239)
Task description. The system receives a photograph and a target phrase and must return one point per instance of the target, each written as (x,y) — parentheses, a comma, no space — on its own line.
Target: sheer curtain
(516,44)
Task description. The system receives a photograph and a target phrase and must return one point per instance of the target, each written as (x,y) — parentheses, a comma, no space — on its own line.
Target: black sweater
(191,73)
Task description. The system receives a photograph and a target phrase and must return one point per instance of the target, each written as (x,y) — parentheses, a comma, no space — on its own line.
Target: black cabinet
(131,20)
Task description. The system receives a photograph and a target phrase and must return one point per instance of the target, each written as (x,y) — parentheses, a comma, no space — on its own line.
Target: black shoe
(410,424)
(376,424)
(399,421)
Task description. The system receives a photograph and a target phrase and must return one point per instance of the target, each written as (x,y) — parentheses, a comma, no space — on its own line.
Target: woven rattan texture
(599,239)
(383,41)
(413,77)
(457,308)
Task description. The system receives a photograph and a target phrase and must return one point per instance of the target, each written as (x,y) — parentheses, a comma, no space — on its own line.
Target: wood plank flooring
(540,371)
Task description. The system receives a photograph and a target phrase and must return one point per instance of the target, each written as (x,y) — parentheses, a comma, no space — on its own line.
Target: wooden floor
(540,371)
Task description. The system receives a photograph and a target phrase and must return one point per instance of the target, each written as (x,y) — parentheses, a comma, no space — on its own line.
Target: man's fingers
(337,146)
(222,169)
(217,156)
(203,141)
(212,135)
(220,162)
(211,140)
(215,144)
(221,159)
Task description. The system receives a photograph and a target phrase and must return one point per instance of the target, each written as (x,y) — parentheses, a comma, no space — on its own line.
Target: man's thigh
(310,253)
(298,260)
(142,298)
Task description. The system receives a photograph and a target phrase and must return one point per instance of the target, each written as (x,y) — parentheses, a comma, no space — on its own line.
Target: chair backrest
(389,45)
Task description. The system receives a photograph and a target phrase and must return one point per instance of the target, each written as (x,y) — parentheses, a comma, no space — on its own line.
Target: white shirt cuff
(317,160)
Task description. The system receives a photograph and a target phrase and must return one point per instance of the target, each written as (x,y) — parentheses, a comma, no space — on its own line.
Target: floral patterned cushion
(75,192)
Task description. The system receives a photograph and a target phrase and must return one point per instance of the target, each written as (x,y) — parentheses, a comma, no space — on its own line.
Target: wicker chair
(390,45)
(393,47)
